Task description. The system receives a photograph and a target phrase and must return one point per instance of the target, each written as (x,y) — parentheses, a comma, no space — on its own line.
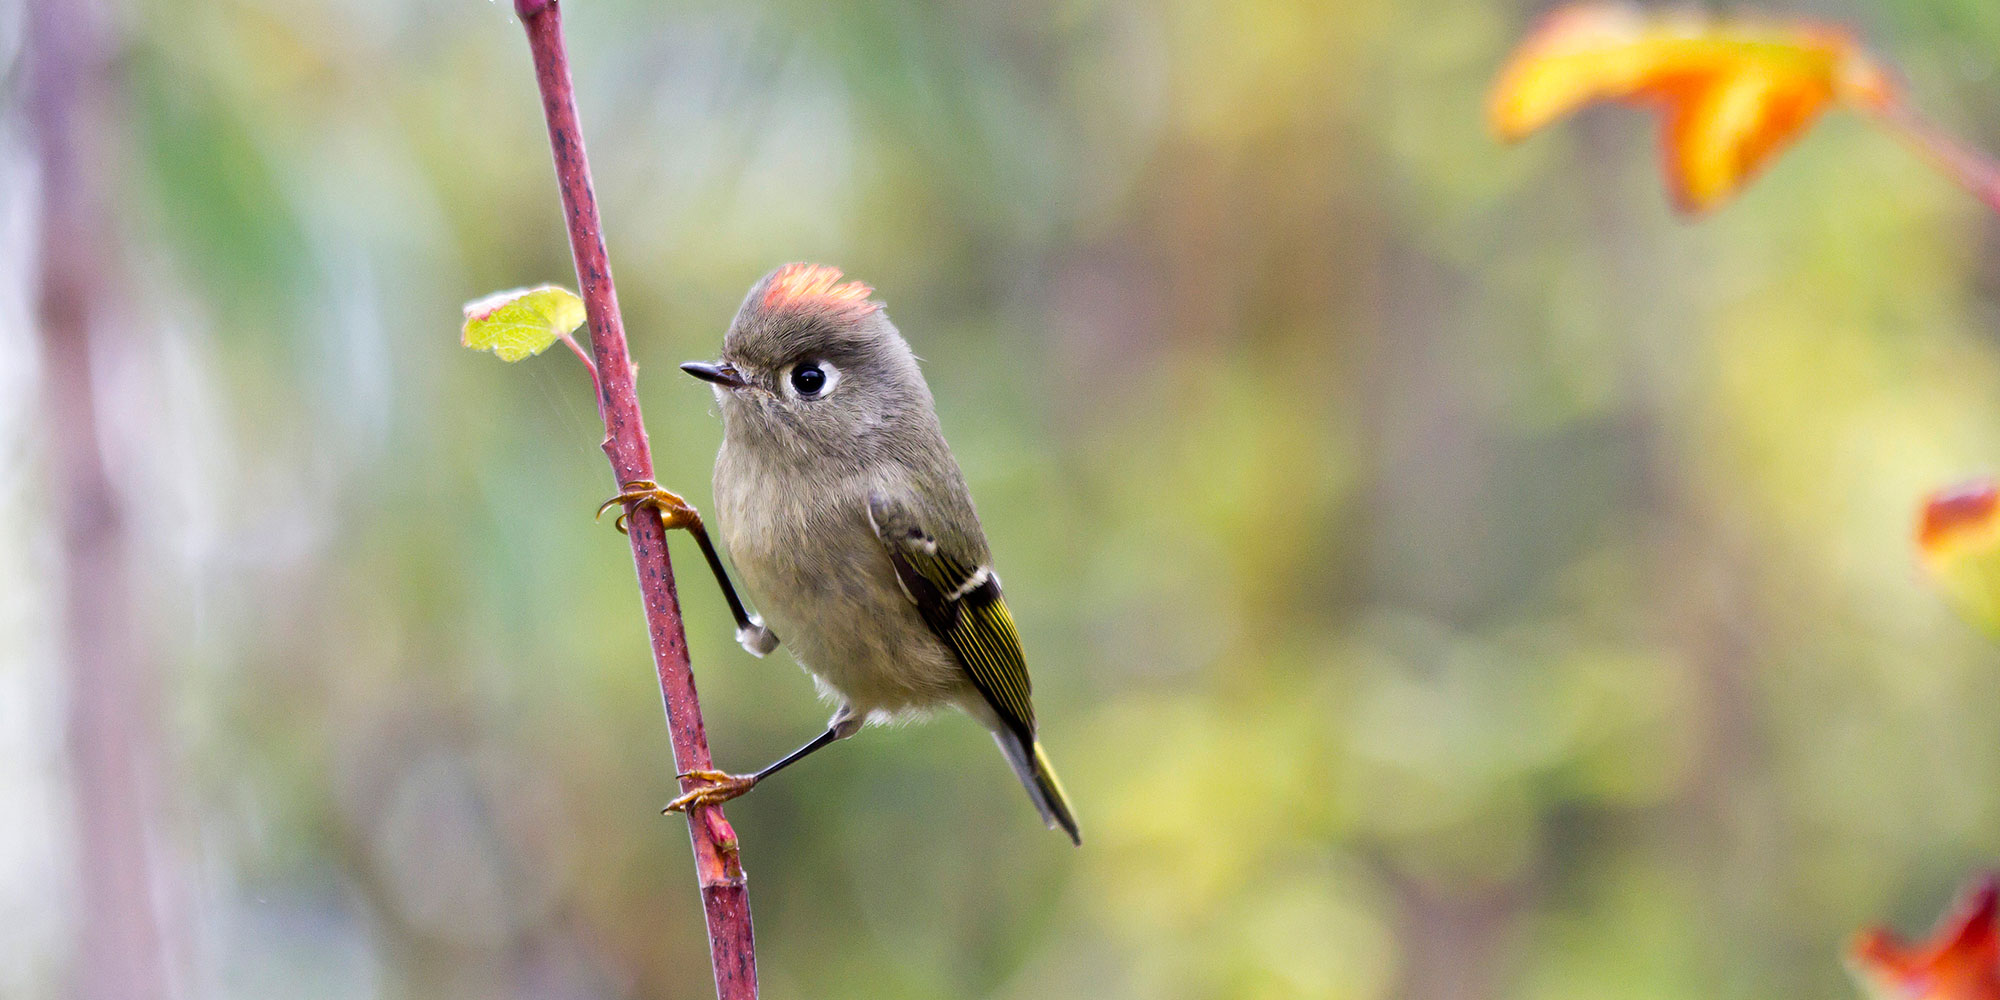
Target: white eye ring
(828,377)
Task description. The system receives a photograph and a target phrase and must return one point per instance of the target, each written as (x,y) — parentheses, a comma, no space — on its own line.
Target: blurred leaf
(1960,962)
(1959,536)
(523,322)
(1731,92)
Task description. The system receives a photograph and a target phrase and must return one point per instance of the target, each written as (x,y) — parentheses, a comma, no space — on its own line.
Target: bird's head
(812,366)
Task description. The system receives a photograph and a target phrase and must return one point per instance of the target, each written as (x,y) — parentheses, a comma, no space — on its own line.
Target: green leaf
(523,322)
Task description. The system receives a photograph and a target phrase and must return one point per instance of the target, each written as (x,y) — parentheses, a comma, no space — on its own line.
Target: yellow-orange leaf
(1731,93)
(1958,535)
(1961,961)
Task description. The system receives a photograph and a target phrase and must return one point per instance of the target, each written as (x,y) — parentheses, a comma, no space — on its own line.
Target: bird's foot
(722,786)
(674,512)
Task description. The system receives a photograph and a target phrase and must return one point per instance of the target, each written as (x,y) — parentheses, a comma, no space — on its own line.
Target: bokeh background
(1446,573)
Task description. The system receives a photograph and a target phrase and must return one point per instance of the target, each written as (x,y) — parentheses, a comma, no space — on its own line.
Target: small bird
(852,528)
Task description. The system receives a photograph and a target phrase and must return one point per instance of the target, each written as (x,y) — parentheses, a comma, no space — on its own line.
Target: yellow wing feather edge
(980,630)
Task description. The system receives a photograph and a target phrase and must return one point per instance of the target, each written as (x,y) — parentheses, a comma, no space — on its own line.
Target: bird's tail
(1031,765)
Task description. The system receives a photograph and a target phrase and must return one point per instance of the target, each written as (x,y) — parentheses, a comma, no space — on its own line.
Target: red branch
(723,893)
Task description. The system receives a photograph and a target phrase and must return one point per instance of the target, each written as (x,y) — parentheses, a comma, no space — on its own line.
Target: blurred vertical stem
(113,740)
(724,895)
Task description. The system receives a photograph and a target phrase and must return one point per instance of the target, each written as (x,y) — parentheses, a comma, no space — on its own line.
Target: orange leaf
(1731,93)
(1958,536)
(1961,961)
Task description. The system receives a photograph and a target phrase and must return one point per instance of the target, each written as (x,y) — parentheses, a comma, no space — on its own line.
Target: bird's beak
(716,372)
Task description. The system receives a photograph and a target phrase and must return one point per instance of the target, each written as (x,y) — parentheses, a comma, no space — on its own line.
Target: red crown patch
(816,286)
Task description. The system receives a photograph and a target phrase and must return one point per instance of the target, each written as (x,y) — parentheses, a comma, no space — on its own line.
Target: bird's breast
(824,584)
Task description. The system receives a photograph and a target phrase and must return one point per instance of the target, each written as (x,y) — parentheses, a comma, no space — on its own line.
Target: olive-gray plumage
(850,523)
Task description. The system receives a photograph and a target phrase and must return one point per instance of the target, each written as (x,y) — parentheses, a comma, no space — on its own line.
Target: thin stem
(1968,168)
(725,897)
(583,356)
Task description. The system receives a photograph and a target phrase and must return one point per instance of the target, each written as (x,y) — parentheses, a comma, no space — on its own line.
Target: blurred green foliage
(1446,574)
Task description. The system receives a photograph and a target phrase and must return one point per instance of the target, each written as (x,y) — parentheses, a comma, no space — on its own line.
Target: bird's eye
(813,379)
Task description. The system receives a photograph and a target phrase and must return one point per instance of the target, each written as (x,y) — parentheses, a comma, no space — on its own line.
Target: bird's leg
(678,513)
(722,786)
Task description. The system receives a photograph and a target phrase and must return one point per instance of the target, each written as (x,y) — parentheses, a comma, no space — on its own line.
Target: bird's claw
(722,786)
(674,512)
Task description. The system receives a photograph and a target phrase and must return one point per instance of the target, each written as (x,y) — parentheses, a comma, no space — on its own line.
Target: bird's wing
(960,599)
